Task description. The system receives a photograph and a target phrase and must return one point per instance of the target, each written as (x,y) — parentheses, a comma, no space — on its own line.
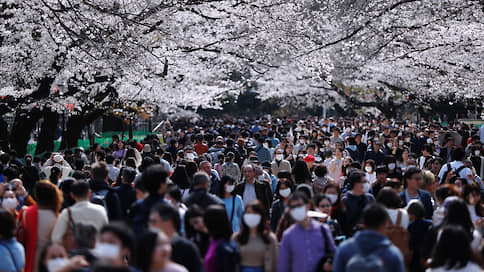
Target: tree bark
(22,127)
(48,132)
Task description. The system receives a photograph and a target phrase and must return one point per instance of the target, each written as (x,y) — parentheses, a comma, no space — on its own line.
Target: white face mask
(390,145)
(366,187)
(252,220)
(229,188)
(391,166)
(326,142)
(9,203)
(190,156)
(302,141)
(106,251)
(279,157)
(407,140)
(299,213)
(56,264)
(429,141)
(285,192)
(368,169)
(400,142)
(332,198)
(477,152)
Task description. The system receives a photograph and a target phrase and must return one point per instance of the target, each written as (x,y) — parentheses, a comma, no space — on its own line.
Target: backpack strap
(444,177)
(399,218)
(11,255)
(233,208)
(459,169)
(71,221)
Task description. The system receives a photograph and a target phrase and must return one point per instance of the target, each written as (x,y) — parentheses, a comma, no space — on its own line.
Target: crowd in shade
(251,195)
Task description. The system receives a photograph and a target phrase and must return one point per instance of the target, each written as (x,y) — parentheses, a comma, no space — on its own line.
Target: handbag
(68,240)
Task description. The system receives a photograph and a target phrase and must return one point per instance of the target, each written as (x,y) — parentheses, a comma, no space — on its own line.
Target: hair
(471,189)
(129,174)
(224,180)
(416,208)
(193,211)
(85,235)
(7,224)
(131,162)
(319,197)
(262,229)
(374,216)
(80,188)
(453,248)
(445,191)
(191,167)
(48,195)
(200,178)
(168,213)
(458,214)
(100,171)
(409,174)
(388,198)
(458,154)
(144,250)
(153,177)
(339,203)
(123,232)
(301,172)
(217,222)
(371,163)
(54,174)
(145,163)
(320,171)
(428,178)
(299,196)
(174,192)
(289,184)
(355,177)
(180,177)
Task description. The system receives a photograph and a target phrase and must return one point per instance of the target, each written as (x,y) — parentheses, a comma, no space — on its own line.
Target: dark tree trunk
(3,135)
(71,135)
(22,127)
(48,132)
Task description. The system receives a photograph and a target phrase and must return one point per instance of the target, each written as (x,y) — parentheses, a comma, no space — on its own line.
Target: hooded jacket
(369,242)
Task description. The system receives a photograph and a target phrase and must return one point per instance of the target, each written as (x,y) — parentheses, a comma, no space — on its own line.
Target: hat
(58,158)
(309,158)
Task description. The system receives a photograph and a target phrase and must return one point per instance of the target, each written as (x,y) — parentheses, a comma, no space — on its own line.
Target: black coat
(202,198)
(263,193)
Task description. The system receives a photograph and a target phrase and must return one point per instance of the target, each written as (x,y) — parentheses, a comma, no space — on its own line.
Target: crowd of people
(251,195)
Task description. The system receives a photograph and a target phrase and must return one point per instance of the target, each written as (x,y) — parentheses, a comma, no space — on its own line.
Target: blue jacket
(426,200)
(12,255)
(369,241)
(263,154)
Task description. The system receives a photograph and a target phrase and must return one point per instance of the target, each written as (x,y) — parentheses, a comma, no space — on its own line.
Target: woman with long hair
(257,245)
(472,197)
(337,211)
(284,188)
(37,221)
(233,202)
(301,173)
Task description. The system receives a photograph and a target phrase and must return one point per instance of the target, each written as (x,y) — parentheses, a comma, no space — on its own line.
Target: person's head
(471,195)
(416,210)
(381,173)
(285,186)
(320,170)
(453,250)
(217,222)
(357,180)
(206,167)
(323,203)
(201,180)
(55,174)
(338,153)
(7,225)
(370,166)
(457,213)
(375,217)
(193,220)
(445,191)
(459,154)
(388,198)
(279,154)
(153,251)
(166,218)
(120,237)
(413,179)
(248,172)
(52,257)
(80,190)
(100,171)
(429,183)
(254,217)
(48,196)
(298,205)
(333,191)
(227,185)
(154,179)
(85,235)
(436,165)
(230,157)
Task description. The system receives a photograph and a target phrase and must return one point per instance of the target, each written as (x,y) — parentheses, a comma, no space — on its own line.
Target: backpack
(365,262)
(400,237)
(99,198)
(449,169)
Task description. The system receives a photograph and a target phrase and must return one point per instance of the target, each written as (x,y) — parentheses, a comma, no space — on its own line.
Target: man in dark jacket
(250,188)
(102,193)
(413,180)
(375,153)
(154,180)
(356,199)
(200,195)
(126,190)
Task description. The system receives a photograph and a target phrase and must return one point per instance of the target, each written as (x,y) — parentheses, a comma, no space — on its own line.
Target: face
(415,181)
(474,198)
(55,251)
(156,222)
(436,166)
(206,167)
(197,223)
(161,253)
(331,191)
(338,153)
(110,238)
(249,173)
(324,206)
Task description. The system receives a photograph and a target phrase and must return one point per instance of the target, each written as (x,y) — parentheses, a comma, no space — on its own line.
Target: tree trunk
(71,135)
(3,135)
(48,132)
(22,127)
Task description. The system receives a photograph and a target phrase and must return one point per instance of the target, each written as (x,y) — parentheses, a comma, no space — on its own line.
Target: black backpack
(449,169)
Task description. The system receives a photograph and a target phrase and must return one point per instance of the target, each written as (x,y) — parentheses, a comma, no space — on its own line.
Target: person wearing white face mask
(279,163)
(306,242)
(12,252)
(370,173)
(116,244)
(55,259)
(233,203)
(324,204)
(284,188)
(257,244)
(356,200)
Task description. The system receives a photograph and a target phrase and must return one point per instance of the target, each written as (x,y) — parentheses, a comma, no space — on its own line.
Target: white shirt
(371,177)
(249,193)
(470,267)
(456,165)
(393,213)
(82,212)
